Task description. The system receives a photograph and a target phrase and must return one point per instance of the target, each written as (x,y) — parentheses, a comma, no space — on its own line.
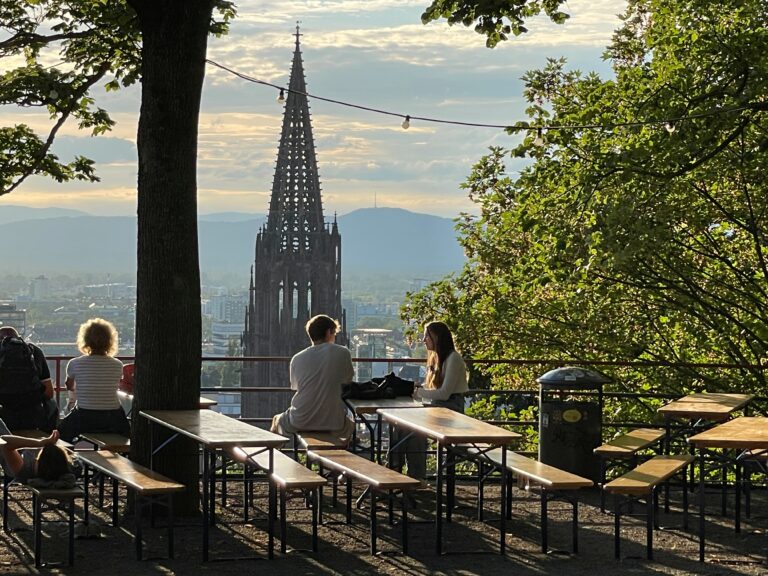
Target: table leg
(702,505)
(271,514)
(503,519)
(439,502)
(206,495)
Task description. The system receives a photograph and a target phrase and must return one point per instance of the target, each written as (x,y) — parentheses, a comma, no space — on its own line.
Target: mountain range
(374,241)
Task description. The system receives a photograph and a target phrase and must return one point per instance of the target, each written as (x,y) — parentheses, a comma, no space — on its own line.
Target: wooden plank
(746,432)
(128,472)
(649,474)
(321,441)
(375,475)
(108,441)
(630,443)
(287,472)
(535,471)
(712,406)
(214,430)
(448,427)
(359,406)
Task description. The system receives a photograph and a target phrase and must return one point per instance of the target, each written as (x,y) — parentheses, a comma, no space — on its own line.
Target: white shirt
(96,378)
(454,379)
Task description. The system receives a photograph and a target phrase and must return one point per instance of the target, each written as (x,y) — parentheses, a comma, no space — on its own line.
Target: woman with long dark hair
(445,385)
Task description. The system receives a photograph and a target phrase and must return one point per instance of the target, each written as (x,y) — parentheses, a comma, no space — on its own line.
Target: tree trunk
(168,324)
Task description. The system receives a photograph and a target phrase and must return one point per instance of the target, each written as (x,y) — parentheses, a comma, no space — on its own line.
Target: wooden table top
(746,432)
(713,406)
(214,430)
(448,427)
(359,406)
(204,402)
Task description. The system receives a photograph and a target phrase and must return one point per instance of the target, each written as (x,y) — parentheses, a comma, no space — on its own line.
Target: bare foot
(53,438)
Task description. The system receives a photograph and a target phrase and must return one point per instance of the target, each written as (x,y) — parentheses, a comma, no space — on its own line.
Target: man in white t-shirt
(317,374)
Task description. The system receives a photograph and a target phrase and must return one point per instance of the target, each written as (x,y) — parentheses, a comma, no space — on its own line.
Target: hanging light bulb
(539,140)
(406,123)
(281,97)
(670,127)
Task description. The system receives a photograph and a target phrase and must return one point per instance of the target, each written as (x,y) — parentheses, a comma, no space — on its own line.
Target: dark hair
(52,462)
(317,327)
(442,340)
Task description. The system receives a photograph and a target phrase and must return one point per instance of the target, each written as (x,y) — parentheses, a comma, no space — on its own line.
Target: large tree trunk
(168,324)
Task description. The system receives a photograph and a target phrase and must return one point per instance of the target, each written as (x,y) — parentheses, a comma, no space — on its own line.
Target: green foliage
(630,241)
(88,43)
(494,19)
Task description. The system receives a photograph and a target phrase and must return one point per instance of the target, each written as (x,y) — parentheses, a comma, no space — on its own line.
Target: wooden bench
(377,477)
(8,480)
(319,441)
(553,483)
(626,447)
(64,495)
(107,441)
(145,484)
(287,474)
(641,483)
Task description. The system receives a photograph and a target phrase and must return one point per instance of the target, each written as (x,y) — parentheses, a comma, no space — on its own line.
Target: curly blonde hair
(97,336)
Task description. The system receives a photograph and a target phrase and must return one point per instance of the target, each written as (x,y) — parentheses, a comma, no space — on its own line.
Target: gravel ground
(471,547)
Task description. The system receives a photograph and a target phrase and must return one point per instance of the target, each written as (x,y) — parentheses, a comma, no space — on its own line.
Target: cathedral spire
(295,210)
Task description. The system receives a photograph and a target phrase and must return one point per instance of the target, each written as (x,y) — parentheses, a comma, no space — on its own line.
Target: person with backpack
(26,389)
(92,381)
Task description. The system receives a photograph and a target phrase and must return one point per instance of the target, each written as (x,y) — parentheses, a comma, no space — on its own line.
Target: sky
(374,53)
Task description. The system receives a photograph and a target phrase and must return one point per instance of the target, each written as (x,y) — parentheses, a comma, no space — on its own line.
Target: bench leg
(315,517)
(480,490)
(544,518)
(649,522)
(171,551)
(71,526)
(617,528)
(405,522)
(603,471)
(349,500)
(138,506)
(575,526)
(373,519)
(114,503)
(36,518)
(283,523)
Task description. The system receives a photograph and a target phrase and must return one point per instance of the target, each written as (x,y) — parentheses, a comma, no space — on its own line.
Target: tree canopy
(638,230)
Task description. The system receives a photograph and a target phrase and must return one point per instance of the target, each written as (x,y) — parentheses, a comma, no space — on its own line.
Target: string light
(539,140)
(281,97)
(668,123)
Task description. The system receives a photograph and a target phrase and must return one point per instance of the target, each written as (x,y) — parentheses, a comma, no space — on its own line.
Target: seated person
(92,381)
(26,389)
(317,375)
(38,460)
(445,386)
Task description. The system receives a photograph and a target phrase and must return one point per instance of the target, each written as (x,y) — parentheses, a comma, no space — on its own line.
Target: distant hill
(374,241)
(11,213)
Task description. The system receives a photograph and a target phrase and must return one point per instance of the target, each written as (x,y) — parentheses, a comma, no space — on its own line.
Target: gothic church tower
(297,267)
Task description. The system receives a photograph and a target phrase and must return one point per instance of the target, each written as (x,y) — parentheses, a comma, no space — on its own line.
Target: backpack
(20,385)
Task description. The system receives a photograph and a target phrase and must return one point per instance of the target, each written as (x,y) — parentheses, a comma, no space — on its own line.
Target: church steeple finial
(296,208)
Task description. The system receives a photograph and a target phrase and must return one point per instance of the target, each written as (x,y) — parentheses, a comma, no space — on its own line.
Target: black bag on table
(389,386)
(22,394)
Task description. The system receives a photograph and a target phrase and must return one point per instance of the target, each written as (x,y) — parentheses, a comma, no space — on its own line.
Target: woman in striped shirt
(92,381)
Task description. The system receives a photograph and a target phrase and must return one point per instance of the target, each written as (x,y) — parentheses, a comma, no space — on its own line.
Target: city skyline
(374,53)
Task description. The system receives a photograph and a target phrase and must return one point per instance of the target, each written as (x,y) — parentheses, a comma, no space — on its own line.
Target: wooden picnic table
(710,406)
(745,434)
(216,432)
(449,428)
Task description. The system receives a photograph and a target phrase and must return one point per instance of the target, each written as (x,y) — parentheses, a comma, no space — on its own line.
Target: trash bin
(569,428)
